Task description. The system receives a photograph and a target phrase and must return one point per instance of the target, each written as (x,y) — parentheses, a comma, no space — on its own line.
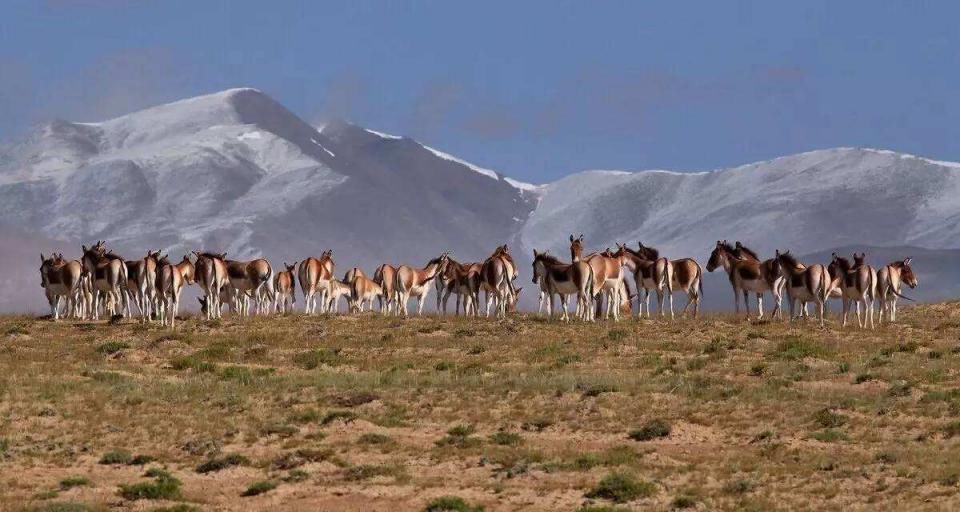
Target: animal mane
(729,249)
(788,259)
(750,252)
(549,258)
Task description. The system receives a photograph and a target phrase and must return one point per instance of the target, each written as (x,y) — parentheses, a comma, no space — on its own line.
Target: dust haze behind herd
(236,171)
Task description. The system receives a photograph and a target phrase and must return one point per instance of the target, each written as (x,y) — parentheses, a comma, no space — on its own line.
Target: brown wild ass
(857,283)
(687,276)
(890,281)
(607,274)
(650,272)
(315,277)
(805,283)
(456,280)
(746,275)
(171,278)
(211,269)
(558,278)
(284,289)
(109,276)
(61,280)
(141,283)
(771,272)
(496,279)
(412,282)
(248,279)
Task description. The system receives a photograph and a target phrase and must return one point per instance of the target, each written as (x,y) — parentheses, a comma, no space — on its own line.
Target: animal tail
(902,296)
(700,280)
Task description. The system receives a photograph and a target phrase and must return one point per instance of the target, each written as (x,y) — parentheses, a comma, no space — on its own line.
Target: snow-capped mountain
(238,172)
(808,202)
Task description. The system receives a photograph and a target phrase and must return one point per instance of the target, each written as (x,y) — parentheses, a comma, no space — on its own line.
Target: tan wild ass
(412,282)
(315,277)
(211,269)
(364,289)
(284,289)
(61,280)
(171,278)
(386,277)
(890,281)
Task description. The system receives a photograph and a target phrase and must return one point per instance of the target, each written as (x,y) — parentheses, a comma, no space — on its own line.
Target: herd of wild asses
(102,283)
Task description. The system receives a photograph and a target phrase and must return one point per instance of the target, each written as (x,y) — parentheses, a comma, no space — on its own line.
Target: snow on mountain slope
(236,171)
(807,202)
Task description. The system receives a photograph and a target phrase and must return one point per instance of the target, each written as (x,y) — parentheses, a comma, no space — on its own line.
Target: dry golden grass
(344,413)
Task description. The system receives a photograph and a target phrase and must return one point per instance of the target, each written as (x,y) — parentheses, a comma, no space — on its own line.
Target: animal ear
(581,237)
(907,260)
(42,259)
(571,238)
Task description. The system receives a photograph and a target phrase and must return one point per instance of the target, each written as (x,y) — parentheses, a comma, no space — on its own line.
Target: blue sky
(535,89)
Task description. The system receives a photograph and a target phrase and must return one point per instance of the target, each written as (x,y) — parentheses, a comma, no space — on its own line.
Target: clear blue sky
(536,89)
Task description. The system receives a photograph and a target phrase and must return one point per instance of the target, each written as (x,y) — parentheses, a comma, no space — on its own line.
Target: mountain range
(236,171)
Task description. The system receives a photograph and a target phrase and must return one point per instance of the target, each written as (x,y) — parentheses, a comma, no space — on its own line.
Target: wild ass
(141,283)
(284,289)
(338,289)
(171,278)
(364,289)
(857,283)
(890,280)
(412,282)
(61,280)
(249,278)
(650,272)
(109,276)
(315,277)
(771,272)
(686,276)
(496,279)
(558,278)
(457,280)
(386,277)
(805,283)
(607,274)
(211,269)
(746,275)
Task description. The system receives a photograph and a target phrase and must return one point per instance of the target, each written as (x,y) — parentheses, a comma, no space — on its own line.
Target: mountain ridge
(237,171)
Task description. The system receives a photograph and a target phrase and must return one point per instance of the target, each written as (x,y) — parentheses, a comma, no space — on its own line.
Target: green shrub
(621,488)
(829,419)
(116,457)
(344,416)
(653,429)
(73,481)
(221,463)
(258,488)
(451,504)
(506,438)
(794,347)
(162,488)
(374,438)
(112,347)
(312,359)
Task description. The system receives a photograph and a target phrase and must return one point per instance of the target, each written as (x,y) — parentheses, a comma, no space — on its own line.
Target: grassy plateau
(451,414)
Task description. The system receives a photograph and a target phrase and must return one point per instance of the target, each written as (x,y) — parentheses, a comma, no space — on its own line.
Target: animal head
(906,273)
(290,268)
(859,260)
(203,304)
(720,256)
(576,247)
(646,252)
